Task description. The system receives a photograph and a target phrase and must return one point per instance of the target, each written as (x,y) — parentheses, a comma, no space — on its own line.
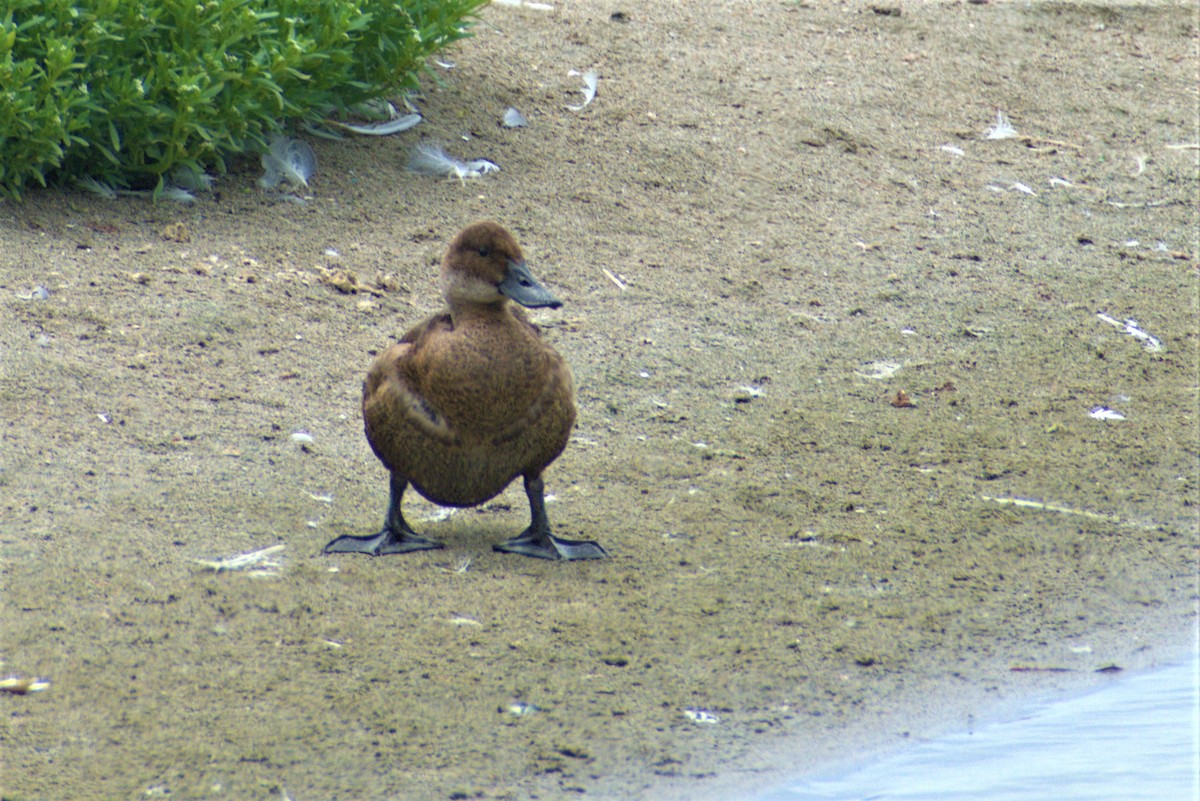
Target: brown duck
(471,398)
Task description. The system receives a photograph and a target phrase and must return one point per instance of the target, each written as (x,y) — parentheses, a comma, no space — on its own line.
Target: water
(1136,740)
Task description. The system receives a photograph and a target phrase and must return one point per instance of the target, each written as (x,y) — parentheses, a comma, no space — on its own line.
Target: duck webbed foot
(396,536)
(538,542)
(385,542)
(544,545)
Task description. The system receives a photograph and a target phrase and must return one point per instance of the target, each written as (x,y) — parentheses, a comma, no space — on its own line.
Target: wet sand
(804,219)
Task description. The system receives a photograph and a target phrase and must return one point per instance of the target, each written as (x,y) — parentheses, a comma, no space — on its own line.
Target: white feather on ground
(590,81)
(432,159)
(1002,129)
(384,128)
(288,160)
(513,119)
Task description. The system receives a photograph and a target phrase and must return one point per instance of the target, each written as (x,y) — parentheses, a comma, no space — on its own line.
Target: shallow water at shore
(1135,739)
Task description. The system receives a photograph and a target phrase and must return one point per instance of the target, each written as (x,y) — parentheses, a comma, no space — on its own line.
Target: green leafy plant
(128,93)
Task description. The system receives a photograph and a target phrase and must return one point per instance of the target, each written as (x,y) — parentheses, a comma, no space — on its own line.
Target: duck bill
(520,285)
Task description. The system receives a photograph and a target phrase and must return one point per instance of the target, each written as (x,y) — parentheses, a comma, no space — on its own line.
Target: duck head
(485,266)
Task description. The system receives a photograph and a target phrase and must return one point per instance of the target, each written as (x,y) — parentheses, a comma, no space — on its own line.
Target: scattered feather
(39,292)
(384,128)
(877,371)
(1105,413)
(1056,181)
(616,281)
(747,393)
(1002,129)
(97,187)
(259,561)
(589,89)
(191,179)
(701,716)
(169,192)
(954,151)
(1133,329)
(513,119)
(462,566)
(17,685)
(523,4)
(290,160)
(173,191)
(177,194)
(321,498)
(431,159)
(1020,187)
(1026,503)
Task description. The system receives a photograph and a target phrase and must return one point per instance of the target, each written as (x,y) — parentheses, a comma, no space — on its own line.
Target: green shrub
(127,92)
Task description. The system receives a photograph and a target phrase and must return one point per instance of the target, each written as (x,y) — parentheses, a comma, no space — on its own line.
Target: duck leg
(396,536)
(537,541)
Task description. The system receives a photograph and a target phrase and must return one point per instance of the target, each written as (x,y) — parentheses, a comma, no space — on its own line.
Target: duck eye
(485,251)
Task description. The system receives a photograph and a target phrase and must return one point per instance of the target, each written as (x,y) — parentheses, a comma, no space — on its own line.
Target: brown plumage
(472,398)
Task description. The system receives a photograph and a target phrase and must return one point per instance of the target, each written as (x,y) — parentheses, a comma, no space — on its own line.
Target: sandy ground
(804,218)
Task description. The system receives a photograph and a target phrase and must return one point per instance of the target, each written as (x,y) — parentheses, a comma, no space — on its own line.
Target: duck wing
(395,409)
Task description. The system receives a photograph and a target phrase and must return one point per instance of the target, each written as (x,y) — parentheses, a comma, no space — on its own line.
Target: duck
(470,399)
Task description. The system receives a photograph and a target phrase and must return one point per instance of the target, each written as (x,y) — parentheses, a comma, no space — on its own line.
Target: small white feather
(432,159)
(1002,129)
(590,82)
(178,194)
(385,128)
(288,160)
(513,119)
